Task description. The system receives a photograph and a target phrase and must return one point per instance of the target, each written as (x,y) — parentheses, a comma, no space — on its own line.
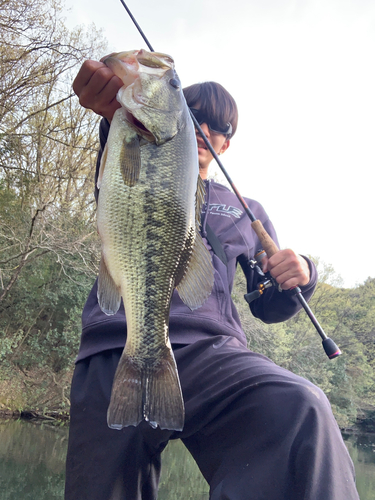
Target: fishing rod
(269,246)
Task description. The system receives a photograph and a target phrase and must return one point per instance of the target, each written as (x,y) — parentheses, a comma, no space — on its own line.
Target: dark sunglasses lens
(214,127)
(225,131)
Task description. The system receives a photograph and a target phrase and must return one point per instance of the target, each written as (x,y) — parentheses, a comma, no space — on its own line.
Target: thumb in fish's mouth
(124,65)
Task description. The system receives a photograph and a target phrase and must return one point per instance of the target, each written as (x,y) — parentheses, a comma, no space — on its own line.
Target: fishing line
(198,127)
(137,26)
(268,244)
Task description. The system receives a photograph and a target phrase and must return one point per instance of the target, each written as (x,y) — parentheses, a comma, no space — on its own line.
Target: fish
(148,219)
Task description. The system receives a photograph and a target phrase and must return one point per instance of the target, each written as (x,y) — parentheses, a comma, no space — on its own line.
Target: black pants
(255,430)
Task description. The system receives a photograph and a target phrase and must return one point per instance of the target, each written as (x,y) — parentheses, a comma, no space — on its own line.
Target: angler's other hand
(96,87)
(287,268)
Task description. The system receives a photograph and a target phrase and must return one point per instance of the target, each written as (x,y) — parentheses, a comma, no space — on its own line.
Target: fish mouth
(135,68)
(141,129)
(127,66)
(155,60)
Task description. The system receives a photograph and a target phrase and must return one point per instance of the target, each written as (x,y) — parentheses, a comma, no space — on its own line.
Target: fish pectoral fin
(109,297)
(196,285)
(130,159)
(146,390)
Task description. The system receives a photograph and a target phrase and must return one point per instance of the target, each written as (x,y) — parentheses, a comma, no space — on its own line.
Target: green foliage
(347,316)
(177,464)
(48,241)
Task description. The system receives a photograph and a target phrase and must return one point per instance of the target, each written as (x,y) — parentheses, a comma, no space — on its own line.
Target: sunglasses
(214,127)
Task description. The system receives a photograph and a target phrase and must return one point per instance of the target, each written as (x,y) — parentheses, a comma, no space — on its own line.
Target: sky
(303,75)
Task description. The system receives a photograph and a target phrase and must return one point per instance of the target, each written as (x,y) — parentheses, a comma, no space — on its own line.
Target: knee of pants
(277,409)
(296,401)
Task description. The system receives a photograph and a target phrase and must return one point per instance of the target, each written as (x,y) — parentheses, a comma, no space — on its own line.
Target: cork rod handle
(269,246)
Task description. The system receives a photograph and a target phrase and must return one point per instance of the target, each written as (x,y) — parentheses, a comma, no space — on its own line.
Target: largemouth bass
(150,199)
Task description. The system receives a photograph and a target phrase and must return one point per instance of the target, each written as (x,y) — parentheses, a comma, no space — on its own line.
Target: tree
(48,148)
(48,142)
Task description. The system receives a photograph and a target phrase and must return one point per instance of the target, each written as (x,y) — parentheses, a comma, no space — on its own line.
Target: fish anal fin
(130,160)
(196,284)
(149,390)
(109,297)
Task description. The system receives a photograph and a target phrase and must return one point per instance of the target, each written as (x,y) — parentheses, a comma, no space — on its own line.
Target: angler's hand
(287,268)
(96,86)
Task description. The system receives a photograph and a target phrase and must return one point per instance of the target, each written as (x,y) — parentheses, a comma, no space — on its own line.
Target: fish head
(151,95)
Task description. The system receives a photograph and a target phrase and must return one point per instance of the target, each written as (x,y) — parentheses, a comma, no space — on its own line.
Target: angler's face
(219,142)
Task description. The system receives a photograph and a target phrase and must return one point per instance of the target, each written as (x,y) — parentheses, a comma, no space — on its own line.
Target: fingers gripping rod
(268,244)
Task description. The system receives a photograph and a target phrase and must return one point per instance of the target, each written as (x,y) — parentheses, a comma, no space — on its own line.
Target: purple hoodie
(218,315)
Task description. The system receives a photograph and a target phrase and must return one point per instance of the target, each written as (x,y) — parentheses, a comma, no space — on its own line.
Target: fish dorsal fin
(130,160)
(196,285)
(103,160)
(109,297)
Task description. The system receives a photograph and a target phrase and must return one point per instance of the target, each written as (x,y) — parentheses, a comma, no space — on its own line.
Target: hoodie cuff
(313,276)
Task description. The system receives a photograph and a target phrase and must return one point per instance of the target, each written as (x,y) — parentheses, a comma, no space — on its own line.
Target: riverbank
(362,428)
(41,394)
(35,394)
(35,415)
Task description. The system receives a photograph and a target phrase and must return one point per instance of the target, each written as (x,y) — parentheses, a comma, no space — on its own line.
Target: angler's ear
(225,146)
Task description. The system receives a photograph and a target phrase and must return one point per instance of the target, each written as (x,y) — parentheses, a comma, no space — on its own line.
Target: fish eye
(175,83)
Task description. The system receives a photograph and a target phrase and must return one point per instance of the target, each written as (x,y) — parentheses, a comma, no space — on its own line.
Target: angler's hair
(214,101)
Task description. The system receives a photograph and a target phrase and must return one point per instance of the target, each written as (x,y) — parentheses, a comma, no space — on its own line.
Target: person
(255,429)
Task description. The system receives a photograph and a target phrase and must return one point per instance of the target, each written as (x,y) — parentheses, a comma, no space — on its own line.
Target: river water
(32,460)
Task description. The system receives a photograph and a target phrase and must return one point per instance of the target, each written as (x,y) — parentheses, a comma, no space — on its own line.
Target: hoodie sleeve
(274,306)
(103,135)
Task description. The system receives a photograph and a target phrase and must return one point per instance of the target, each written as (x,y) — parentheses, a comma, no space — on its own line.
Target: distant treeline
(347,315)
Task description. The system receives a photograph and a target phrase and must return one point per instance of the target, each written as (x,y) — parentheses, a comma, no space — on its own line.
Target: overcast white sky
(303,75)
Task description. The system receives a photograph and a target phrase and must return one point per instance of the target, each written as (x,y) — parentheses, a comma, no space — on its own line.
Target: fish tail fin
(149,391)
(163,404)
(125,407)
